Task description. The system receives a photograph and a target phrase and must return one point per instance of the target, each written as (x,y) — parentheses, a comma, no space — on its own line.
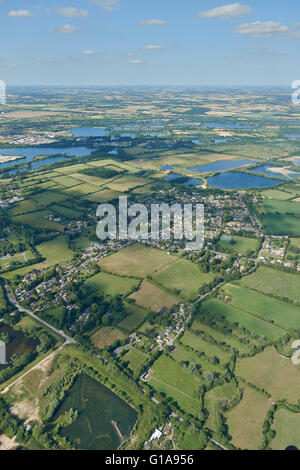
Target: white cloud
(153,22)
(295,35)
(44,60)
(260,28)
(89,52)
(153,47)
(134,61)
(109,5)
(67,29)
(233,10)
(71,12)
(19,13)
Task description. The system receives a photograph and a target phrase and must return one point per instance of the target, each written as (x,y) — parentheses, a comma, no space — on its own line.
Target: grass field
(246,419)
(24,206)
(136,316)
(136,260)
(277,194)
(240,245)
(183,278)
(38,220)
(125,183)
(170,378)
(65,211)
(274,282)
(281,224)
(226,394)
(110,284)
(286,425)
(244,319)
(102,196)
(7,263)
(49,197)
(81,190)
(152,297)
(229,339)
(106,336)
(135,358)
(210,350)
(281,207)
(283,314)
(272,372)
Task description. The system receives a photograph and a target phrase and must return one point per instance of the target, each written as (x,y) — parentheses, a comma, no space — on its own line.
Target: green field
(286,425)
(135,358)
(283,314)
(281,224)
(243,318)
(277,194)
(109,284)
(272,372)
(274,282)
(210,350)
(170,378)
(152,297)
(183,278)
(136,316)
(245,421)
(216,398)
(240,245)
(38,220)
(136,260)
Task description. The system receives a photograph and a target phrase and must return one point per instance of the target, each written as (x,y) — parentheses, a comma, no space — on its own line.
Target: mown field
(152,297)
(136,260)
(106,336)
(110,284)
(274,282)
(286,425)
(183,278)
(136,316)
(272,372)
(283,314)
(240,245)
(245,421)
(243,318)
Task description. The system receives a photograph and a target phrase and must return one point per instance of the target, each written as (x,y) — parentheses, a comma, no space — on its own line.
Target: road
(11,298)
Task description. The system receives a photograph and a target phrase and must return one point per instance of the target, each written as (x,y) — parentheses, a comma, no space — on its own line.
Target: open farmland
(274,282)
(243,318)
(136,260)
(152,297)
(245,421)
(272,372)
(183,278)
(283,314)
(109,284)
(286,425)
(106,336)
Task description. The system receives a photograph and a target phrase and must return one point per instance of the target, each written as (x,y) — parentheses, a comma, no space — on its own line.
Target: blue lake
(236,180)
(293,136)
(223,165)
(88,132)
(29,153)
(172,176)
(265,170)
(196,142)
(296,161)
(227,126)
(193,182)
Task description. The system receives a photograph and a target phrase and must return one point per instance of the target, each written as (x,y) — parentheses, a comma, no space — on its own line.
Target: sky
(149,42)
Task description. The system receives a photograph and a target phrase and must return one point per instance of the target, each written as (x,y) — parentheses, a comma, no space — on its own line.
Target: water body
(29,153)
(292,136)
(172,176)
(193,182)
(167,167)
(100,410)
(223,165)
(264,169)
(220,141)
(196,142)
(128,134)
(88,132)
(296,161)
(236,180)
(18,343)
(227,126)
